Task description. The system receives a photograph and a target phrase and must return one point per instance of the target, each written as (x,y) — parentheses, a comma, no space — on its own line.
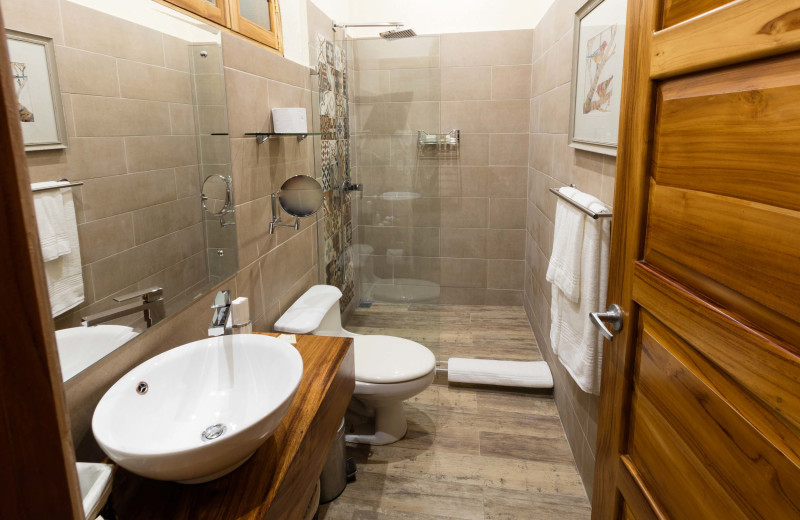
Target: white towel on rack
(576,342)
(564,269)
(64,273)
(49,206)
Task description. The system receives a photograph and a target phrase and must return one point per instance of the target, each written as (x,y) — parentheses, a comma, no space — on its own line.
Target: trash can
(334,475)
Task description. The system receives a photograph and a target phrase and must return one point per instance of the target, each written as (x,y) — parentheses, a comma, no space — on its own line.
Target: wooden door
(700,406)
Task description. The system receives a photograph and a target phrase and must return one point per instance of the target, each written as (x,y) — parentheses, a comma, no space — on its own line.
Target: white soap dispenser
(240,314)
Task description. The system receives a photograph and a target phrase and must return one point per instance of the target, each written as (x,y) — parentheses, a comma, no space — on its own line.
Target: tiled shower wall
(134,148)
(466,229)
(552,164)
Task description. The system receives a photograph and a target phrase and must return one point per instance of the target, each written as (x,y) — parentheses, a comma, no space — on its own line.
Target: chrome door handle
(613,316)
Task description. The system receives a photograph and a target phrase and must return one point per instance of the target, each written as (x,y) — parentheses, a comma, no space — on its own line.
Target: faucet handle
(149,295)
(222,299)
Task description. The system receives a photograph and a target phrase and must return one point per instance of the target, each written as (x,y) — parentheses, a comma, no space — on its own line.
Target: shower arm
(380,24)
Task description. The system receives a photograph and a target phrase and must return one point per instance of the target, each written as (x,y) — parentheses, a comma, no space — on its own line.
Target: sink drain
(142,387)
(212,432)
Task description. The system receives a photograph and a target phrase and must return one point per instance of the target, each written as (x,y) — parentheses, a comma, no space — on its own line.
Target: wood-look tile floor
(470,331)
(469,453)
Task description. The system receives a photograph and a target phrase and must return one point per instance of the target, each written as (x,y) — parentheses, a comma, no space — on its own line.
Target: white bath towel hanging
(576,342)
(64,274)
(564,269)
(49,206)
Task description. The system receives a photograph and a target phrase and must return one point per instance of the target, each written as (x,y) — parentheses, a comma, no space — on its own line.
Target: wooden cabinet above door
(258,20)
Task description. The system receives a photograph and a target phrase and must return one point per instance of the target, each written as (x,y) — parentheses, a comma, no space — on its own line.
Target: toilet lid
(387,359)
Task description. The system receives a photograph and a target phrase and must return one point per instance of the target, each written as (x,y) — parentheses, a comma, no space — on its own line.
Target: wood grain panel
(731,345)
(672,472)
(730,241)
(278,480)
(36,454)
(719,436)
(638,500)
(752,29)
(742,143)
(677,11)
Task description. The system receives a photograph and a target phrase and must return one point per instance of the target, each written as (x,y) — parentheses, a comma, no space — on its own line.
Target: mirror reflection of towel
(58,229)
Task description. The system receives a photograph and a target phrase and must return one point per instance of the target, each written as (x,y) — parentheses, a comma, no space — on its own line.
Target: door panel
(700,400)
(677,11)
(749,248)
(736,32)
(698,426)
(733,133)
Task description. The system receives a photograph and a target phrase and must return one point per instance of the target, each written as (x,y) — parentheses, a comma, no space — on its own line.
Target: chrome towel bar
(594,215)
(70,184)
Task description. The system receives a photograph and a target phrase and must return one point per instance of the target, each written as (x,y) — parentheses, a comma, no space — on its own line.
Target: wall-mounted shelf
(262,137)
(438,145)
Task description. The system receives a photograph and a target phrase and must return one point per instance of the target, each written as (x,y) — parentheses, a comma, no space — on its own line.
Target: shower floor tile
(469,453)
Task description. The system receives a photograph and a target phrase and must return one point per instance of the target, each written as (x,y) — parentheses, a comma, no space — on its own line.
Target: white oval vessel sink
(198,411)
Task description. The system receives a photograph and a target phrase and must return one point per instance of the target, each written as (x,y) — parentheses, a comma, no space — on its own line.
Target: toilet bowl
(388,369)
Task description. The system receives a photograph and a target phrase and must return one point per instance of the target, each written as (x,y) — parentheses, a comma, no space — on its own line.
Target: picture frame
(597,62)
(33,67)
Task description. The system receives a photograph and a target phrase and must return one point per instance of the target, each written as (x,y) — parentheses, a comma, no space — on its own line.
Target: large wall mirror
(143,95)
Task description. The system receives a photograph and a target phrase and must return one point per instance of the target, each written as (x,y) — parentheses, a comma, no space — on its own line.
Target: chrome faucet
(152,305)
(222,321)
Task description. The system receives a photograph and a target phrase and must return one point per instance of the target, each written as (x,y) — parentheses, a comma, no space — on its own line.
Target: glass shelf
(265,136)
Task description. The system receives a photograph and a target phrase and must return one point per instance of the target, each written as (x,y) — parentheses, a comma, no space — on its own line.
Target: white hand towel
(564,269)
(576,342)
(49,206)
(64,274)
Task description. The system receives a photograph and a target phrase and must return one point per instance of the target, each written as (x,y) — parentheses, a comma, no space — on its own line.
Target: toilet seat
(388,359)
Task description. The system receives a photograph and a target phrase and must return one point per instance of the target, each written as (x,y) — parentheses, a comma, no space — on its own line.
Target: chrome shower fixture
(397,34)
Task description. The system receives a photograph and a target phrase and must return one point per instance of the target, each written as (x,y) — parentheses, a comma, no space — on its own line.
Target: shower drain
(212,432)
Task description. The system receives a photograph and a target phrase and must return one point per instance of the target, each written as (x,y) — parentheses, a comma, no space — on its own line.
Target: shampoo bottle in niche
(240,316)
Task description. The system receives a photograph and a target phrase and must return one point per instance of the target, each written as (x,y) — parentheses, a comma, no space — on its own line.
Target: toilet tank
(315,312)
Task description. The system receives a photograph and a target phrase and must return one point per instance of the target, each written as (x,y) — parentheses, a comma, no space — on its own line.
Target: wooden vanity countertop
(279,479)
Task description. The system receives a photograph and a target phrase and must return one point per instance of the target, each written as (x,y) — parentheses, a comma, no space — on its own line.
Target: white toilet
(388,370)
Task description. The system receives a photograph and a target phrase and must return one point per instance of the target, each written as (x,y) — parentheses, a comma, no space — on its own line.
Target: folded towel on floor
(64,273)
(564,268)
(49,206)
(576,342)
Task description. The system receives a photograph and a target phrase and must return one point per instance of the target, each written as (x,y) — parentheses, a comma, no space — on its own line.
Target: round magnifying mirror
(215,194)
(300,196)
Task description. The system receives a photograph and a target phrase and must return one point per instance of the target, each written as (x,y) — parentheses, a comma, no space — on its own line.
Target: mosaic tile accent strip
(335,159)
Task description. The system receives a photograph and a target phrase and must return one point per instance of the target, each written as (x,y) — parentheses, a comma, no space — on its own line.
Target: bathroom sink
(198,411)
(81,347)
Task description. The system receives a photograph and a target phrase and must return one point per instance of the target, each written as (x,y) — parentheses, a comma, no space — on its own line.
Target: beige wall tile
(511,82)
(176,53)
(182,119)
(163,219)
(463,243)
(102,238)
(415,84)
(91,157)
(507,213)
(187,181)
(248,102)
(159,152)
(371,86)
(209,89)
(508,181)
(509,149)
(465,212)
(109,196)
(412,53)
(212,119)
(91,30)
(101,116)
(141,81)
(505,274)
(464,181)
(414,268)
(466,83)
(39,17)
(508,244)
(463,272)
(507,116)
(83,72)
(487,48)
(240,54)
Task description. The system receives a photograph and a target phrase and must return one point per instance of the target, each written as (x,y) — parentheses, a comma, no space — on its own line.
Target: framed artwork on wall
(597,75)
(33,67)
